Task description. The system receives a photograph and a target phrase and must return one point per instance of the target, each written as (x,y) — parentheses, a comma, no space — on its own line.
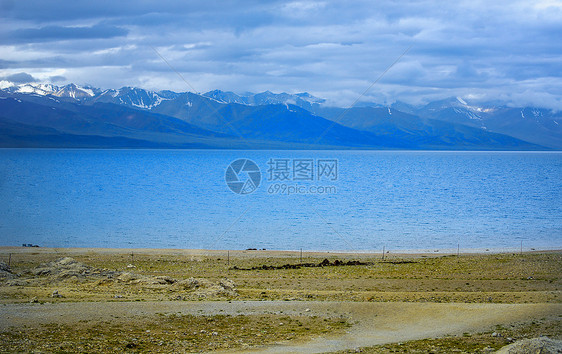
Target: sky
(481,51)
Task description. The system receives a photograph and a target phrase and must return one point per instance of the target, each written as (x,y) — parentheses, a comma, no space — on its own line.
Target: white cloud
(301,8)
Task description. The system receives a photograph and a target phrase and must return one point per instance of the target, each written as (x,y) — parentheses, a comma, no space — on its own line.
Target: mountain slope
(103,121)
(270,126)
(278,122)
(535,125)
(422,132)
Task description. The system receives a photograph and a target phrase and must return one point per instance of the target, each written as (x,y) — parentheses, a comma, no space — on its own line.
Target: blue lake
(400,200)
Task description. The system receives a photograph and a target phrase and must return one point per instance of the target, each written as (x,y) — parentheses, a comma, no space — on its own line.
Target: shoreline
(281,253)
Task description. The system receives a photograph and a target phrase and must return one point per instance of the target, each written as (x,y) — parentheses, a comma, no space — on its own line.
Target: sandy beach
(104,300)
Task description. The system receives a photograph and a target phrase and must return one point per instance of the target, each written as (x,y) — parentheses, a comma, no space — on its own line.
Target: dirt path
(373,323)
(379,323)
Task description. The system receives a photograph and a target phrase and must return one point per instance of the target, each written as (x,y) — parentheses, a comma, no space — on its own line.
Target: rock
(34,300)
(126,277)
(131,266)
(192,284)
(227,284)
(158,280)
(17,282)
(68,269)
(543,345)
(56,294)
(204,288)
(62,268)
(5,271)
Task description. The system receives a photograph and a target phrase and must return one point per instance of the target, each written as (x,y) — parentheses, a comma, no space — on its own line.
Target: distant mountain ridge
(219,119)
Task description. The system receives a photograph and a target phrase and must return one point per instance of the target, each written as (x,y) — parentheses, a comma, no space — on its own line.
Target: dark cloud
(19,78)
(44,12)
(54,33)
(7,5)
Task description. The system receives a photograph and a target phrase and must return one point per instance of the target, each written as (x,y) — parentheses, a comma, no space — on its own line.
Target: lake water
(356,200)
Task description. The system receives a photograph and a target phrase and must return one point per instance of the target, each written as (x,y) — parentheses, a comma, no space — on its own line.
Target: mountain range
(44,115)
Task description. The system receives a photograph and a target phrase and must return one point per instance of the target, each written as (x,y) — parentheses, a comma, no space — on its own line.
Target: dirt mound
(205,288)
(543,345)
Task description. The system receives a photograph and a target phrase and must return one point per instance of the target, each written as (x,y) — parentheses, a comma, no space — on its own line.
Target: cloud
(19,78)
(57,78)
(329,48)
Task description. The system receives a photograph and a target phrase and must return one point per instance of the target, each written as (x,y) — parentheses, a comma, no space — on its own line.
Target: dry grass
(500,278)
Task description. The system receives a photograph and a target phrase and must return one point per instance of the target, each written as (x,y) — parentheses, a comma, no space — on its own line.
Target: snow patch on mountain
(6,84)
(462,101)
(39,89)
(469,114)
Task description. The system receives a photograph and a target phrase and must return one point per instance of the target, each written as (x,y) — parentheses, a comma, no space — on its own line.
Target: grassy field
(168,333)
(498,278)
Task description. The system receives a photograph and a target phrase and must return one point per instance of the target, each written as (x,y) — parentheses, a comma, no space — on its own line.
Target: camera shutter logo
(243,176)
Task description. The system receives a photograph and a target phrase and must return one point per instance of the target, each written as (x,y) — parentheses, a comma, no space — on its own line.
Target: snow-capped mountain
(283,118)
(135,97)
(70,90)
(303,100)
